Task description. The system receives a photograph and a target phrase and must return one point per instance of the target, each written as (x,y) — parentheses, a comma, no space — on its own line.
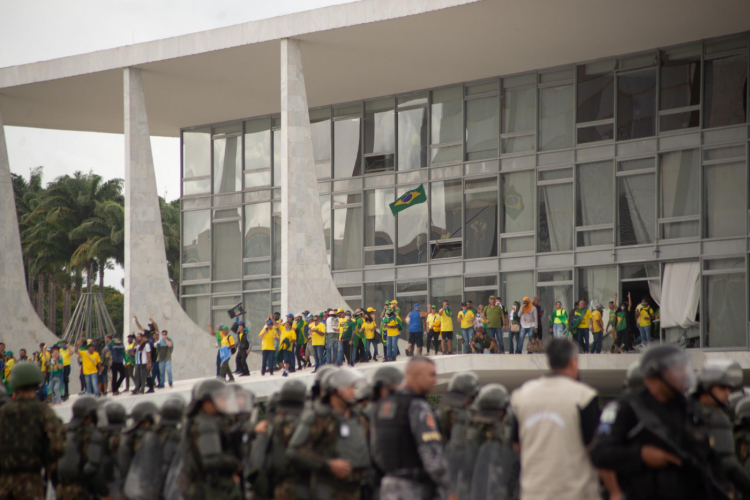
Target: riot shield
(496,471)
(455,456)
(143,480)
(465,470)
(174,488)
(255,466)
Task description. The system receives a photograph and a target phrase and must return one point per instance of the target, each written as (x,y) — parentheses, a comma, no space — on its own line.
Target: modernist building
(569,149)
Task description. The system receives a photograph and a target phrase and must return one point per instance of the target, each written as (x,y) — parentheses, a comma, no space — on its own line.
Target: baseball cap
(269,322)
(339,310)
(492,297)
(463,303)
(224,327)
(370,309)
(433,306)
(290,315)
(415,306)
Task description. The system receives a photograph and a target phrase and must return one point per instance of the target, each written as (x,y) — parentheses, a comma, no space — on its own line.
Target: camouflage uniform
(84,486)
(210,473)
(31,438)
(322,435)
(451,418)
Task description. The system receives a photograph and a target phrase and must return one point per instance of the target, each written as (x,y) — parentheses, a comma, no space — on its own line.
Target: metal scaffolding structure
(90,320)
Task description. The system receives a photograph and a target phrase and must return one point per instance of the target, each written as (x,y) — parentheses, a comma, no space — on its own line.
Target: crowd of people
(672,434)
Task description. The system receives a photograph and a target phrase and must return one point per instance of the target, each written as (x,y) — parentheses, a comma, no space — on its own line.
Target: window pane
(380,224)
(481,225)
(277,157)
(716,264)
(379,257)
(636,105)
(555,218)
(196,273)
(519,244)
(519,110)
(635,195)
(258,230)
(726,201)
(196,236)
(380,163)
(412,139)
(681,77)
(516,286)
(276,243)
(640,164)
(596,133)
(200,186)
(447,115)
(258,144)
(477,281)
(446,154)
(450,289)
(227,165)
(596,237)
(257,179)
(325,211)
(482,128)
(597,285)
(448,250)
(445,206)
(689,229)
(679,179)
(546,276)
(518,201)
(557,118)
(519,144)
(726,91)
(347,238)
(260,268)
(377,293)
(596,94)
(196,152)
(557,174)
(595,197)
(412,232)
(258,307)
(198,309)
(227,256)
(320,128)
(380,134)
(679,121)
(346,158)
(725,311)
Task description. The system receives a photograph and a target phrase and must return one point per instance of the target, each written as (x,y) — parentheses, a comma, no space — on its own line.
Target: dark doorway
(638,290)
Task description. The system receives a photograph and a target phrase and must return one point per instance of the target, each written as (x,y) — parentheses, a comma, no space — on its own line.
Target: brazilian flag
(513,203)
(410,198)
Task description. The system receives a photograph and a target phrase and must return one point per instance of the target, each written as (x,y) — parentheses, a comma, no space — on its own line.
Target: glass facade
(569,183)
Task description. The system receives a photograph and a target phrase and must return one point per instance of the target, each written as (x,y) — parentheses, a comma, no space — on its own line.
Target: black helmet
(461,387)
(25,375)
(315,389)
(143,411)
(112,415)
(723,372)
(85,406)
(172,410)
(387,376)
(272,405)
(245,399)
(633,377)
(490,401)
(292,395)
(656,360)
(337,379)
(735,398)
(742,410)
(202,391)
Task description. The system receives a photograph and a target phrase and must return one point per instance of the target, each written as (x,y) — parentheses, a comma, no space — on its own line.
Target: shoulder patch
(609,413)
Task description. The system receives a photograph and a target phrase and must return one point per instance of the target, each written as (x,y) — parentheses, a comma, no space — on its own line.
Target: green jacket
(563,317)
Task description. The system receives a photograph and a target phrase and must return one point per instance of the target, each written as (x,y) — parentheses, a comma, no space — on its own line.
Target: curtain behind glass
(555,218)
(636,209)
(597,285)
(726,201)
(346,148)
(347,238)
(556,118)
(725,91)
(412,139)
(518,202)
(445,204)
(680,183)
(482,128)
(380,224)
(258,230)
(481,225)
(595,200)
(197,309)
(725,311)
(447,115)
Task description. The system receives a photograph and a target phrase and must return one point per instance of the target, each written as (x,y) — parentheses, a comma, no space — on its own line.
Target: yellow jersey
(596,321)
(65,354)
(90,362)
(290,334)
(369,329)
(644,319)
(318,333)
(267,343)
(466,318)
(446,321)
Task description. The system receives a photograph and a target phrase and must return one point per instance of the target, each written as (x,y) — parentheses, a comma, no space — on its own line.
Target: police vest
(394,443)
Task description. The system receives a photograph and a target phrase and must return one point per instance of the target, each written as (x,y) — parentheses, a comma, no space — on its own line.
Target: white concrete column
(148,291)
(22,328)
(306,281)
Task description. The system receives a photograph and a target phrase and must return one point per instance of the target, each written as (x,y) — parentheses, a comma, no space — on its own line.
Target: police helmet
(203,391)
(490,401)
(271,405)
(633,377)
(3,395)
(387,376)
(143,411)
(735,398)
(338,379)
(172,410)
(26,375)
(319,374)
(245,399)
(292,395)
(724,372)
(112,415)
(660,358)
(85,406)
(742,411)
(362,389)
(461,387)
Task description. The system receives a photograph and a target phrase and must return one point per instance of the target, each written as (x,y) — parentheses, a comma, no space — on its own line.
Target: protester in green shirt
(346,330)
(623,339)
(558,321)
(358,336)
(497,317)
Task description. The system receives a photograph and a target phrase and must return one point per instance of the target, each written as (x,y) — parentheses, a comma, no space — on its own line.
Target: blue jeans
(371,342)
(56,385)
(340,358)
(156,374)
(645,334)
(332,349)
(582,337)
(218,362)
(165,371)
(596,347)
(318,353)
(512,335)
(267,361)
(467,334)
(392,345)
(524,332)
(91,384)
(557,330)
(497,334)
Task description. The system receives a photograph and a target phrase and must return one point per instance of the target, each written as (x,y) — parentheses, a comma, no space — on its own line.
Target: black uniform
(638,419)
(722,441)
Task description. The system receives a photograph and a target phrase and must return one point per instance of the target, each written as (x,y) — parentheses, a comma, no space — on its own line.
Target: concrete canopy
(352,51)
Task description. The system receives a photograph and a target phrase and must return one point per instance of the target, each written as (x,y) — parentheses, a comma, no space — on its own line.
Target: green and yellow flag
(410,198)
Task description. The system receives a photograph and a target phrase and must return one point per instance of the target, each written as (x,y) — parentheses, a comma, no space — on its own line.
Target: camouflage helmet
(734,399)
(338,379)
(26,375)
(85,406)
(319,374)
(272,405)
(145,410)
(292,395)
(172,410)
(461,388)
(245,399)
(633,376)
(491,400)
(112,415)
(742,411)
(202,391)
(362,389)
(724,372)
(387,376)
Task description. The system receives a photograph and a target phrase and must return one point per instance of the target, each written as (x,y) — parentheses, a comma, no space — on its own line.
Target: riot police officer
(319,374)
(451,413)
(111,421)
(139,453)
(742,432)
(143,417)
(407,444)
(79,471)
(385,380)
(330,440)
(169,432)
(3,395)
(32,438)
(655,439)
(716,381)
(633,377)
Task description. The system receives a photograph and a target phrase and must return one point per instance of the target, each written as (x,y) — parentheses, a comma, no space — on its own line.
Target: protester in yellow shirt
(317,331)
(66,354)
(268,335)
(644,316)
(90,362)
(433,336)
(597,328)
(466,317)
(287,341)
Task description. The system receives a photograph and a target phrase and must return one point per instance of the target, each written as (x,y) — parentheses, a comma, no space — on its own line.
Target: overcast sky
(40,30)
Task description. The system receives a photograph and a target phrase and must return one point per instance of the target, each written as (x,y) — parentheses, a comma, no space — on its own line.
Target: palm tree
(27,195)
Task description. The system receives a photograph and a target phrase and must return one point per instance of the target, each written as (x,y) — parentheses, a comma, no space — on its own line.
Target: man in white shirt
(142,363)
(556,419)
(332,336)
